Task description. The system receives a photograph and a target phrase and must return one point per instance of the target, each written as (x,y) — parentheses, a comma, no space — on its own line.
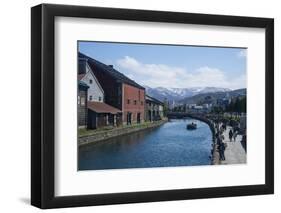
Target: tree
(165,107)
(217,109)
(237,105)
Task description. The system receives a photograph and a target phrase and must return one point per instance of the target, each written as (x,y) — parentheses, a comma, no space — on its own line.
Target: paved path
(234,152)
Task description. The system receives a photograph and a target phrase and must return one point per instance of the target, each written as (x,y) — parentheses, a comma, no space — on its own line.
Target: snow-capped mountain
(212,97)
(176,94)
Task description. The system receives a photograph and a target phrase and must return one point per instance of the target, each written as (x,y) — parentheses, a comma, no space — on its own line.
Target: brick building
(119,91)
(133,104)
(154,109)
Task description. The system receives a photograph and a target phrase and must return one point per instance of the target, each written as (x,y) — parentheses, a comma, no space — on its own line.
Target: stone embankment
(214,154)
(98,136)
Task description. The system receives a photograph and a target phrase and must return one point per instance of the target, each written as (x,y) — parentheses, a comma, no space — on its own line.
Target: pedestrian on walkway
(235,136)
(221,151)
(230,134)
(219,141)
(221,137)
(224,126)
(221,129)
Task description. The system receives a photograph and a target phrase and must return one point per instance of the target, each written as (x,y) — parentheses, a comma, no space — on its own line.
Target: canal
(169,145)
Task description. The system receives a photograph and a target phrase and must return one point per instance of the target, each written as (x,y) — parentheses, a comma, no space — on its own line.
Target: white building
(191,106)
(95,91)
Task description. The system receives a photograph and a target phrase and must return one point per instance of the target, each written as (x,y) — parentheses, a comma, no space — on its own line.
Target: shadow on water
(166,146)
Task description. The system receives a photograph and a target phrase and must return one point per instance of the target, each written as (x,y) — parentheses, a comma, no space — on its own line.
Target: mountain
(212,97)
(177,94)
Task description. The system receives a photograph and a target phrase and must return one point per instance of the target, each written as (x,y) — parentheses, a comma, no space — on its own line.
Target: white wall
(94,89)
(15,137)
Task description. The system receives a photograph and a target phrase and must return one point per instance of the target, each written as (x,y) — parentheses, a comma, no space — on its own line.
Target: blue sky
(171,65)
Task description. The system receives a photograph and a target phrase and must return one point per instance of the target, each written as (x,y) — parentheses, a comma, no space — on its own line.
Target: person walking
(221,129)
(235,136)
(219,141)
(221,151)
(230,134)
(224,126)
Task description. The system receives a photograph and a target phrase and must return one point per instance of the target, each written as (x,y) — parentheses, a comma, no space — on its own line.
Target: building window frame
(82,101)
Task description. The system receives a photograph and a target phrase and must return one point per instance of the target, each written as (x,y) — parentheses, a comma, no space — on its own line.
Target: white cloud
(161,75)
(242,54)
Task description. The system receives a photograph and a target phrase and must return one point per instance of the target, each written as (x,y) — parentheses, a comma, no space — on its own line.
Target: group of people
(232,134)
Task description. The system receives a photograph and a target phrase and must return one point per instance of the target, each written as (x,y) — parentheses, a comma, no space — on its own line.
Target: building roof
(110,70)
(101,107)
(80,76)
(149,98)
(82,65)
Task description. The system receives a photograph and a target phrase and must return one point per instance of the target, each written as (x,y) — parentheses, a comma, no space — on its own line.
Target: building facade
(154,109)
(95,91)
(119,91)
(82,104)
(101,114)
(133,104)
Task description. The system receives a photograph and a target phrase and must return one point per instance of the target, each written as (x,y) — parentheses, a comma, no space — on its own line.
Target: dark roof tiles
(80,76)
(101,107)
(110,70)
(151,99)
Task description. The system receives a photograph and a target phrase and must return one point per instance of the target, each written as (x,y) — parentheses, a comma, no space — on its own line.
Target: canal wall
(103,135)
(214,154)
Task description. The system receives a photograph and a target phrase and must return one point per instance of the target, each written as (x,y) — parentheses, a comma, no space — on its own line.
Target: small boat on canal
(191,126)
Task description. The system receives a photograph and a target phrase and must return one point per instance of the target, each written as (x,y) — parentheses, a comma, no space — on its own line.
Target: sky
(173,66)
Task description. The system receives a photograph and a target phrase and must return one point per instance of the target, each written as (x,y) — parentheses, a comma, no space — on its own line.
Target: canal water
(169,145)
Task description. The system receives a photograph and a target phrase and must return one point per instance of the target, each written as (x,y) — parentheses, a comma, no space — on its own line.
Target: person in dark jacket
(221,151)
(230,134)
(235,135)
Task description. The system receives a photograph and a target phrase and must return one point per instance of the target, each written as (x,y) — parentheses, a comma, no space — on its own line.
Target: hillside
(212,97)
(177,94)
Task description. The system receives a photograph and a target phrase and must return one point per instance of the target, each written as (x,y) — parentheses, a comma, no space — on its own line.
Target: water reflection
(168,145)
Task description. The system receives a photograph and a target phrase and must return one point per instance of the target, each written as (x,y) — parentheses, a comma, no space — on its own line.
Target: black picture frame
(43,105)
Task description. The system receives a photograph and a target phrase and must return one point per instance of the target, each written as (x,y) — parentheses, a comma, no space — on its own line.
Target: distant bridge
(197,116)
(180,115)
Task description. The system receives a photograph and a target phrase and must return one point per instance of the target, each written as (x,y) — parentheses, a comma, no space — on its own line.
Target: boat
(191,126)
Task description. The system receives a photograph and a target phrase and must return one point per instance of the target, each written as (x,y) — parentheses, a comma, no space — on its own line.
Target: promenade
(234,152)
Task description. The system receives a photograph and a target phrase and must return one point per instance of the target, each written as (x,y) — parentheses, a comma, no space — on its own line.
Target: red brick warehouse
(133,104)
(120,91)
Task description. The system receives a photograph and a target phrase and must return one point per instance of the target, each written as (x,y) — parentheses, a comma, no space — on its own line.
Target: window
(128,101)
(99,98)
(82,101)
(119,93)
(91,97)
(90,81)
(135,102)
(78,99)
(141,102)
